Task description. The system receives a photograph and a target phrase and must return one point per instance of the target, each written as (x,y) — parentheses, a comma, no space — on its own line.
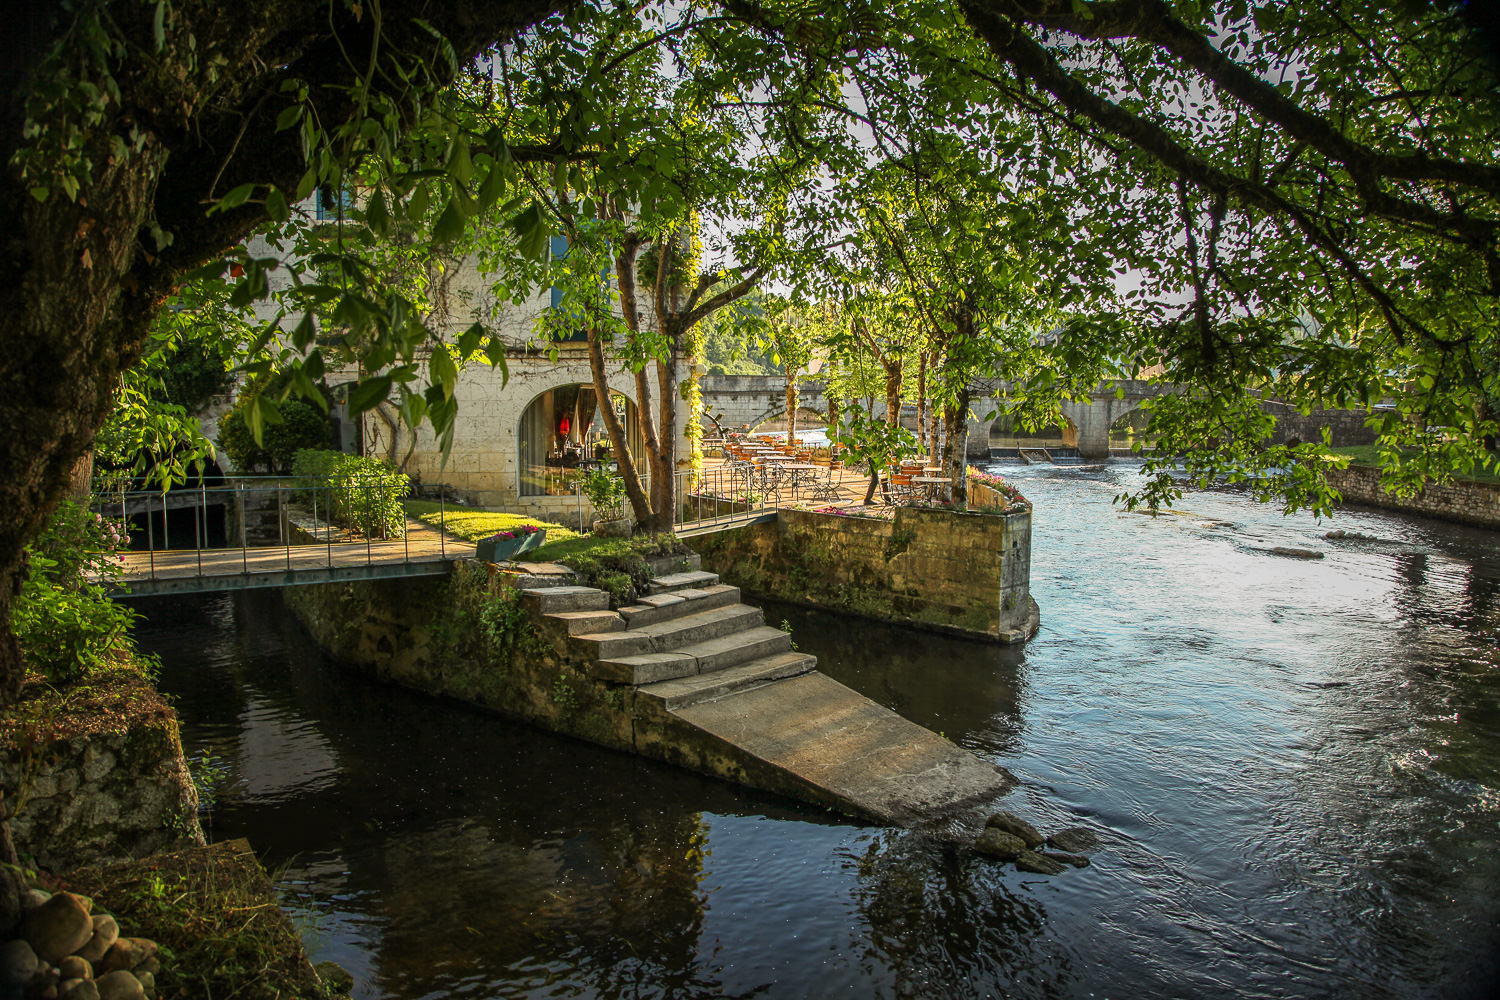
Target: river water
(1294,767)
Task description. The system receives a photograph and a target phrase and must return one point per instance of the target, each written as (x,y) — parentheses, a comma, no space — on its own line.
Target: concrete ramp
(713,688)
(849,749)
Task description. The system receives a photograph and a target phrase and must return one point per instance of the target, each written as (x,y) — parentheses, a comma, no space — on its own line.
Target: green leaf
(377,215)
(442,369)
(235,198)
(288,117)
(468,341)
(159,25)
(40,193)
(450,225)
(276,205)
(369,393)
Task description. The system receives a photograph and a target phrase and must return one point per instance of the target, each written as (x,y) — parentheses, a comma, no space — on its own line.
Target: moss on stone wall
(952,571)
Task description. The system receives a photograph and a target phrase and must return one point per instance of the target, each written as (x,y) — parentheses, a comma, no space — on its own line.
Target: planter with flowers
(506,545)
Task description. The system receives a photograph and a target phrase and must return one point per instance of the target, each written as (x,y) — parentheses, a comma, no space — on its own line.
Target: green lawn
(1368,454)
(469,525)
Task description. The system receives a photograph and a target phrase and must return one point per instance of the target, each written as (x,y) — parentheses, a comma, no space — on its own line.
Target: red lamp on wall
(564,425)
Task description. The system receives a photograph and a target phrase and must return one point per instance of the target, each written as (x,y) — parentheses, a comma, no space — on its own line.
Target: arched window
(562,435)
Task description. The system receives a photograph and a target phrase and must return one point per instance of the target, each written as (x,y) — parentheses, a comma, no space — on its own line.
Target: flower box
(509,544)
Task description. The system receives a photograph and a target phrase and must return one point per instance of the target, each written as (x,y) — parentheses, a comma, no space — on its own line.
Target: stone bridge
(747,401)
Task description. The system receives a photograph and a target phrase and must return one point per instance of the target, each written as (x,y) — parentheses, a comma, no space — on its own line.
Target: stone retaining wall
(121,790)
(961,572)
(1470,503)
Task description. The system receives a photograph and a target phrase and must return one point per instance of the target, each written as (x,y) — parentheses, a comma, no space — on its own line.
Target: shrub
(362,493)
(301,427)
(65,623)
(606,492)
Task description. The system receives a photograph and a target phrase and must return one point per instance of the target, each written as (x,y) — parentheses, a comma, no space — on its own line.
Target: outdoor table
(932,484)
(802,472)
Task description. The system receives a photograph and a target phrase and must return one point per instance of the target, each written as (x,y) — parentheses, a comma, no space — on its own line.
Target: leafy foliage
(298,426)
(67,625)
(360,493)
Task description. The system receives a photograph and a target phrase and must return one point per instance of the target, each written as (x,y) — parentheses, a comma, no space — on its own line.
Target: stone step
(612,645)
(663,607)
(691,580)
(713,623)
(550,600)
(586,622)
(647,666)
(684,691)
(644,668)
(751,644)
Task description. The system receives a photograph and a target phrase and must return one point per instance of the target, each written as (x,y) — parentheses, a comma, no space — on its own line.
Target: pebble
(1016,827)
(75,967)
(106,933)
(86,989)
(18,963)
(59,927)
(120,985)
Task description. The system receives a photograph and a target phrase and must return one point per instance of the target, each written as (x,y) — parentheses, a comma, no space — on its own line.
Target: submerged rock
(1076,860)
(999,844)
(1294,553)
(1016,827)
(1074,840)
(1040,864)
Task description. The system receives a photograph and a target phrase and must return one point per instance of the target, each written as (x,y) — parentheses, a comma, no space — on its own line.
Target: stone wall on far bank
(961,572)
(99,777)
(1460,500)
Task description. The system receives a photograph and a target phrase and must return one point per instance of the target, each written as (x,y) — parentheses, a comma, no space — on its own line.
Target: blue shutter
(559,251)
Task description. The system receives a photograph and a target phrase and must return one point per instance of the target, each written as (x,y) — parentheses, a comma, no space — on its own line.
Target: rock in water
(1074,840)
(1016,827)
(335,977)
(18,963)
(1031,861)
(120,985)
(1076,860)
(106,933)
(58,927)
(999,844)
(1291,553)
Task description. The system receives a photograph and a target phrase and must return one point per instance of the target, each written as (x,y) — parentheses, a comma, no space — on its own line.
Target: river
(1294,766)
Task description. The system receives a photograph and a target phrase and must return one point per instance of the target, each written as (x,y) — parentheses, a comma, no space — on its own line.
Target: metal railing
(253,515)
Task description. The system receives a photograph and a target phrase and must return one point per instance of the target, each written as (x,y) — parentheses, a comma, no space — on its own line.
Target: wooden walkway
(425,551)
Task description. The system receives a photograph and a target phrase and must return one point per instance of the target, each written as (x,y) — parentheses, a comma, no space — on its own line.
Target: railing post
(442,522)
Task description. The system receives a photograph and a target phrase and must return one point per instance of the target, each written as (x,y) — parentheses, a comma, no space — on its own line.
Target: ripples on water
(1293,765)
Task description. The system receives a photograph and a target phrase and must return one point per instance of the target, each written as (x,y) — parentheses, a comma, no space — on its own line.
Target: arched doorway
(562,435)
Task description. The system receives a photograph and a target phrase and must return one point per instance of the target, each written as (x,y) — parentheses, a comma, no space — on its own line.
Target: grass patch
(214,913)
(1369,454)
(617,565)
(115,699)
(469,525)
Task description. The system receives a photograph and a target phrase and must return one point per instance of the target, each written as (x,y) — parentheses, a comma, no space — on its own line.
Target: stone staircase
(712,687)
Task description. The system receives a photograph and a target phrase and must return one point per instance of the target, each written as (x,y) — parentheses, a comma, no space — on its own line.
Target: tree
(120,123)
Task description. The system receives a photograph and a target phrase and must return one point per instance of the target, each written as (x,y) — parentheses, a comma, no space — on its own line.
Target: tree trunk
(921,399)
(664,475)
(955,447)
(618,439)
(892,366)
(791,406)
(833,423)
